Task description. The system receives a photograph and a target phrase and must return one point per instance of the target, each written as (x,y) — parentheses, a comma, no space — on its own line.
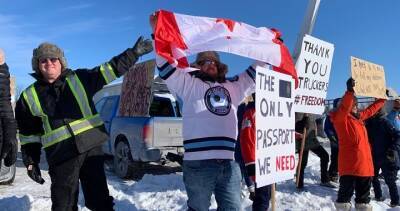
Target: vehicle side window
(107,109)
(161,107)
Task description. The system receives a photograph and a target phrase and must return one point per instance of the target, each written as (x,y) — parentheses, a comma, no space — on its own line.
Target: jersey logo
(218,100)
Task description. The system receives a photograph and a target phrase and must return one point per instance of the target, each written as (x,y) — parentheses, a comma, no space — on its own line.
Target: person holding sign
(210,102)
(355,160)
(262,195)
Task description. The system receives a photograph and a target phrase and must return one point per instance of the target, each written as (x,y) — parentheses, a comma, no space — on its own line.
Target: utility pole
(307,27)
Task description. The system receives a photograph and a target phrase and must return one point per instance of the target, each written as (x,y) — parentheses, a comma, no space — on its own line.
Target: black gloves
(9,152)
(142,47)
(34,173)
(350,84)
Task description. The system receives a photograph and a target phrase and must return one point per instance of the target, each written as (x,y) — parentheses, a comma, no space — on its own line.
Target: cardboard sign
(369,77)
(313,68)
(136,91)
(275,134)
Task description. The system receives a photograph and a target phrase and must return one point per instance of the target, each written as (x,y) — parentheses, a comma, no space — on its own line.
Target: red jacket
(354,150)
(248,140)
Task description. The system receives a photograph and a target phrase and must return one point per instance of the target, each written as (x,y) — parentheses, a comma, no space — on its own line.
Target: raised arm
(347,102)
(116,67)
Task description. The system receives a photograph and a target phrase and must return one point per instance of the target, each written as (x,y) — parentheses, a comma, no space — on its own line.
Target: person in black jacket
(385,141)
(57,113)
(8,126)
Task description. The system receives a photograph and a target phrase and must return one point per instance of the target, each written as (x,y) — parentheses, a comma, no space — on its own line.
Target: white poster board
(275,135)
(313,69)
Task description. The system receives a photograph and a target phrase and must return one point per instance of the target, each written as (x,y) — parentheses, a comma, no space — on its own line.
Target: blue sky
(91,32)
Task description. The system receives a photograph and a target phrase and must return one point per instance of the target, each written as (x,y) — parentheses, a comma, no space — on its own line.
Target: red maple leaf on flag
(229,23)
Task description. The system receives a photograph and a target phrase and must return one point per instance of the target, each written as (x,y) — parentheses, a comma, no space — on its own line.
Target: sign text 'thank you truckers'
(275,136)
(313,68)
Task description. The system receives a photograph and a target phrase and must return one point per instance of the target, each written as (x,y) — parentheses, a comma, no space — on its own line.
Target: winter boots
(343,206)
(347,206)
(363,207)
(328,184)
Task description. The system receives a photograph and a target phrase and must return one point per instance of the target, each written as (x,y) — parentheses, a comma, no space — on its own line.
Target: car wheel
(123,160)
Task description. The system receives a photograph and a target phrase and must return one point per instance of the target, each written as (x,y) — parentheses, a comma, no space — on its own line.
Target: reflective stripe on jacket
(53,136)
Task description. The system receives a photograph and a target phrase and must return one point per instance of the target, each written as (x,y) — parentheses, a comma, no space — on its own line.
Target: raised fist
(350,84)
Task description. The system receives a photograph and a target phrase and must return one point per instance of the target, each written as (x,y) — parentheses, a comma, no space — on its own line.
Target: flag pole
(303,140)
(307,27)
(273,200)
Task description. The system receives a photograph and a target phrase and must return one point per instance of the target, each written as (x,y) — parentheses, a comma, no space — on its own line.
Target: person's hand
(142,47)
(153,21)
(2,57)
(351,83)
(387,93)
(34,173)
(9,152)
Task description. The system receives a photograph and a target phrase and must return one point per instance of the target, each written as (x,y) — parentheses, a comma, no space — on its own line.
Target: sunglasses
(208,62)
(44,60)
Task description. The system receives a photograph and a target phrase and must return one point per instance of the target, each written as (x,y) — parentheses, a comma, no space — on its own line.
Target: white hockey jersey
(209,110)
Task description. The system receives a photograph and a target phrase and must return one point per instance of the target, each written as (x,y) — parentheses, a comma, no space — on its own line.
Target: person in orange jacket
(262,195)
(355,160)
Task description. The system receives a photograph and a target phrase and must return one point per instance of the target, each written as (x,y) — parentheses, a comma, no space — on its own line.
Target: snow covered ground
(167,192)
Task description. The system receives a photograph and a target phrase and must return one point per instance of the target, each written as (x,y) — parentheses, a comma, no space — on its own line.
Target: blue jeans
(204,177)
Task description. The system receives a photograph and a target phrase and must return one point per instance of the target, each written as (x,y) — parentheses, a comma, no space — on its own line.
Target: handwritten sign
(275,134)
(369,77)
(313,68)
(136,90)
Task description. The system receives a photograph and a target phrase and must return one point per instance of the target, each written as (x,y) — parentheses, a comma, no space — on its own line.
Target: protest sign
(313,68)
(275,134)
(136,90)
(369,77)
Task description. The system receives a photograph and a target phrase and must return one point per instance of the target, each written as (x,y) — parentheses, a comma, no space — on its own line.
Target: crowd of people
(57,113)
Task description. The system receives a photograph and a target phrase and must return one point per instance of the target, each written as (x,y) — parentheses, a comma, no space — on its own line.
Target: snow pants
(348,183)
(88,168)
(390,176)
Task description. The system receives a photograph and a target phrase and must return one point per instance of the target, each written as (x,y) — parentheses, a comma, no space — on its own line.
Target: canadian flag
(177,36)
